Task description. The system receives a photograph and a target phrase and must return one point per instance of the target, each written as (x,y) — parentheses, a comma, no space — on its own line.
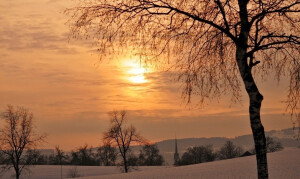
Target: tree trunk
(258,135)
(255,99)
(17,175)
(17,170)
(125,164)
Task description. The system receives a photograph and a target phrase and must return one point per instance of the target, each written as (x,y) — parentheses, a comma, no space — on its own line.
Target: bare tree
(149,156)
(18,134)
(60,156)
(121,135)
(273,145)
(84,155)
(34,157)
(229,150)
(107,155)
(213,44)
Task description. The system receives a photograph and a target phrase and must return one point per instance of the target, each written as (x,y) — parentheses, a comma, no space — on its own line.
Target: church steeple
(176,155)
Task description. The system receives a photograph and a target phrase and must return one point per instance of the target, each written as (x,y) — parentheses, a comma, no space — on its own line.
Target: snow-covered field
(282,165)
(53,171)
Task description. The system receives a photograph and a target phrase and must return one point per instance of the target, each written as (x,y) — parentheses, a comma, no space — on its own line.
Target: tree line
(105,155)
(202,154)
(19,140)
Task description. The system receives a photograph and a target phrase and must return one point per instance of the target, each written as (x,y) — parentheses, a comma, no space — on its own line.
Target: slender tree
(18,134)
(60,157)
(121,135)
(213,44)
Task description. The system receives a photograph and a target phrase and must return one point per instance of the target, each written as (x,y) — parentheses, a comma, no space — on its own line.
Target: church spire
(176,155)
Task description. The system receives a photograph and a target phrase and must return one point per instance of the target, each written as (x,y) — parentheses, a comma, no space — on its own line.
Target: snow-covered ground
(53,171)
(282,165)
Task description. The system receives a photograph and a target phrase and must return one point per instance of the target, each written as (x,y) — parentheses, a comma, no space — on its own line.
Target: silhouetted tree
(197,154)
(60,157)
(273,145)
(107,155)
(213,45)
(149,156)
(34,157)
(132,159)
(229,150)
(121,135)
(18,134)
(84,156)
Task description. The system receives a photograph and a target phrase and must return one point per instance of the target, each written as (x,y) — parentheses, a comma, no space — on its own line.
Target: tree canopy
(211,44)
(199,37)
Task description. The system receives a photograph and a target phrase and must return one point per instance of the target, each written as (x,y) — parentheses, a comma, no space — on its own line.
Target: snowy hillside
(282,165)
(288,138)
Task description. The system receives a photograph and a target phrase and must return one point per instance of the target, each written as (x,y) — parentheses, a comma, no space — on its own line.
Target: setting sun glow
(135,71)
(71,65)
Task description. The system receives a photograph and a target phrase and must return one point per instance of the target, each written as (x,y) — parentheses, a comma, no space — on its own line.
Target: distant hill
(288,138)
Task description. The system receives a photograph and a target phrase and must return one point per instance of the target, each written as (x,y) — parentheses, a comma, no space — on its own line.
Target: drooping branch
(275,41)
(272,8)
(200,36)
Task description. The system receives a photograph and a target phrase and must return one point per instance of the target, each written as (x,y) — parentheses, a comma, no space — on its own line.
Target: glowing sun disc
(138,79)
(136,72)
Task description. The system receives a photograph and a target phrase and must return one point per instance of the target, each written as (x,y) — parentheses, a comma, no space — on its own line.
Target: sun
(135,72)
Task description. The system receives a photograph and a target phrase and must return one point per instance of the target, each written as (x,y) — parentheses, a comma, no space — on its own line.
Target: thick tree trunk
(258,134)
(255,99)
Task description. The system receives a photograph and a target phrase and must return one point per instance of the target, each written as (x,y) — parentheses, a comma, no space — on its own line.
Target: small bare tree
(229,150)
(121,135)
(273,145)
(18,134)
(60,156)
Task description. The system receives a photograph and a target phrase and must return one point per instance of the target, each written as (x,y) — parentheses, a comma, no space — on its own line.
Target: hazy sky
(62,82)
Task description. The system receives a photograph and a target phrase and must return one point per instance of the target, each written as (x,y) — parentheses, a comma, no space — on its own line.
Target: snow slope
(282,165)
(53,171)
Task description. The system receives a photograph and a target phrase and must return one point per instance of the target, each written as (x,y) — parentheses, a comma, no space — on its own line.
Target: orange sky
(62,82)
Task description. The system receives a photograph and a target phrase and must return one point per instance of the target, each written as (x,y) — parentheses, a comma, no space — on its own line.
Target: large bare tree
(18,134)
(121,135)
(212,43)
